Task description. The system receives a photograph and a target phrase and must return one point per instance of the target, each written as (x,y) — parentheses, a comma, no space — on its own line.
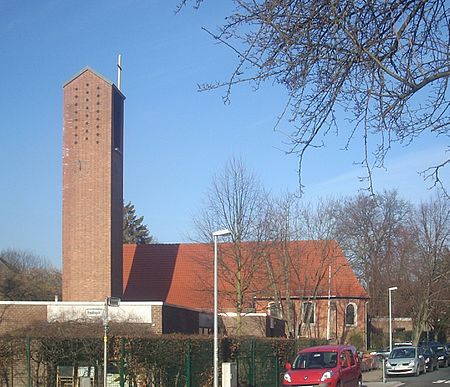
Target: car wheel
(446,363)
(437,366)
(360,384)
(418,371)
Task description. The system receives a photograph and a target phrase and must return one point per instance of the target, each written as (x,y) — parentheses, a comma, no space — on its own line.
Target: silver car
(405,361)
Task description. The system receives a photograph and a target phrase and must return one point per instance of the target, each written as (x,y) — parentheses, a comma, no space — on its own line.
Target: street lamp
(216,235)
(390,316)
(109,301)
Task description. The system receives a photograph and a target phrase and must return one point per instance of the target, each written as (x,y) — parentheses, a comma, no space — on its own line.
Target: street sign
(94,312)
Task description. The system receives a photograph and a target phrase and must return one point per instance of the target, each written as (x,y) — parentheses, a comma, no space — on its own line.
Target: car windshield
(315,360)
(403,353)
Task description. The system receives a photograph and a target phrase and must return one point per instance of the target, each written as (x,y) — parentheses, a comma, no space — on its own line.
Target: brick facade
(252,324)
(92,188)
(336,327)
(16,316)
(399,324)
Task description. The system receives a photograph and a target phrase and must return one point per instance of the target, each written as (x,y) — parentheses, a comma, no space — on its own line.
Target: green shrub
(378,340)
(356,339)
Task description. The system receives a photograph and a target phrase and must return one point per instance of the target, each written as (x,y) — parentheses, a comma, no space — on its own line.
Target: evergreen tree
(134,231)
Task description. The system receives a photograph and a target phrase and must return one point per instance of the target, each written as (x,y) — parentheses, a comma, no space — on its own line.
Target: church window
(350,314)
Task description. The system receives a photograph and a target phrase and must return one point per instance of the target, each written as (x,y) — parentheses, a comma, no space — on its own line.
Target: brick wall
(398,323)
(16,317)
(179,320)
(254,324)
(157,318)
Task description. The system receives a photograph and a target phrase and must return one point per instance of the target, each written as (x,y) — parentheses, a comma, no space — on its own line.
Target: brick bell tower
(92,188)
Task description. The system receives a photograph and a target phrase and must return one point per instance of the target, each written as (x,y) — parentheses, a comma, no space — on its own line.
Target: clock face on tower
(79,164)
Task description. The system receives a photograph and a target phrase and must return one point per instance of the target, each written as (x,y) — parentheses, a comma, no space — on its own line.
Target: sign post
(115,302)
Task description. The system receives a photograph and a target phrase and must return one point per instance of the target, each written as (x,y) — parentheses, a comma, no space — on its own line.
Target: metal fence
(169,361)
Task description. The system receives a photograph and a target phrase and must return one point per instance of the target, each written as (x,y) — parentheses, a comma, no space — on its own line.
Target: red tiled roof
(182,274)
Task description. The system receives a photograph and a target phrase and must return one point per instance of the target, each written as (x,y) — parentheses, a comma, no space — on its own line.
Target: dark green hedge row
(167,360)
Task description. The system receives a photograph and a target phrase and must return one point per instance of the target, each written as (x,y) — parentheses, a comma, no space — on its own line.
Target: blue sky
(175,137)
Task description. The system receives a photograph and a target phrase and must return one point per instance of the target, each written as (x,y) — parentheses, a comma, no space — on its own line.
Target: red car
(325,366)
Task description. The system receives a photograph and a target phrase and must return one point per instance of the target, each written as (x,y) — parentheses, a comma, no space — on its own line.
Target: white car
(405,361)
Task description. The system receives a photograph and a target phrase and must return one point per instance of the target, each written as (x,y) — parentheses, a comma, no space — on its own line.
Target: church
(168,287)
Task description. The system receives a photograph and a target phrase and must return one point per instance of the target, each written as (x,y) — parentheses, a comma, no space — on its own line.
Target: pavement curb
(381,384)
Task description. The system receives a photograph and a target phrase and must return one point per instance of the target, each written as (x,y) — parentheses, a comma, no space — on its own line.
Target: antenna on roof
(119,70)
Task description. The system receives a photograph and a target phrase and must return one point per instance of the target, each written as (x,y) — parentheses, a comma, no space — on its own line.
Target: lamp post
(216,235)
(109,301)
(390,316)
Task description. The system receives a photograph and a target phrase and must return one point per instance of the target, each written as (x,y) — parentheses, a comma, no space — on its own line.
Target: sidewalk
(374,378)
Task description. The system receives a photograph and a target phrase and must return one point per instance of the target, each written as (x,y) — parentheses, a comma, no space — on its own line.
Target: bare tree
(430,288)
(235,201)
(298,269)
(374,232)
(25,276)
(279,218)
(382,65)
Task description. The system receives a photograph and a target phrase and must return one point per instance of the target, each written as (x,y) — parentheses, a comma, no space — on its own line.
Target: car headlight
(287,377)
(388,364)
(441,358)
(427,360)
(411,363)
(326,375)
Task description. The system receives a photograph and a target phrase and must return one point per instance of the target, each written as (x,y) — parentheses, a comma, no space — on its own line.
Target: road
(435,378)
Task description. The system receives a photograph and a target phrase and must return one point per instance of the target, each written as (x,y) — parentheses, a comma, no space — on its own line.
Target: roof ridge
(96,73)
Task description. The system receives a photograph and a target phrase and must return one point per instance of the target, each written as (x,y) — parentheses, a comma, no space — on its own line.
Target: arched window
(350,314)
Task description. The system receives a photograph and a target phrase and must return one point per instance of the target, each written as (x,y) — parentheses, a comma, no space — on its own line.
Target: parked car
(428,343)
(404,344)
(330,365)
(448,347)
(442,354)
(405,361)
(431,359)
(381,353)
